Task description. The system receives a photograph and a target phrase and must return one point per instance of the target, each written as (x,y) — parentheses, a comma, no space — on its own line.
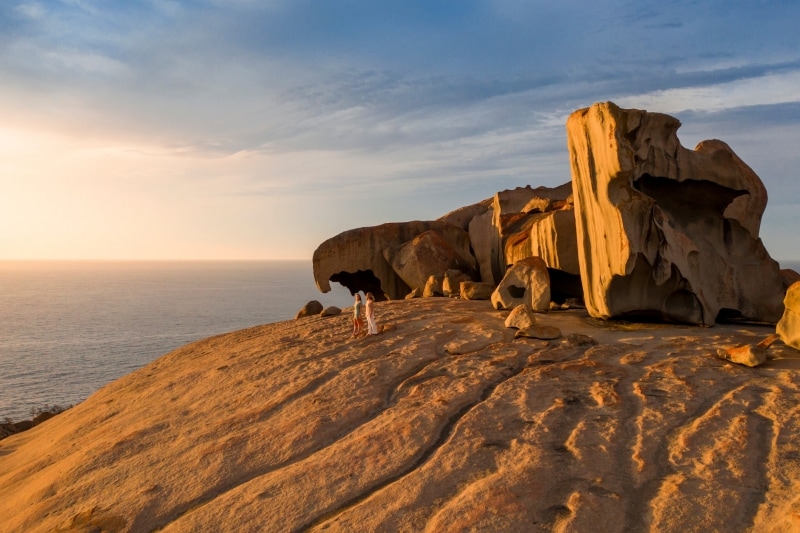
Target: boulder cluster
(645,229)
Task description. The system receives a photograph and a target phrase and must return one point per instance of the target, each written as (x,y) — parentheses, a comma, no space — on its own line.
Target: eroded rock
(476,290)
(451,282)
(355,258)
(789,325)
(426,254)
(521,317)
(665,231)
(312,308)
(526,282)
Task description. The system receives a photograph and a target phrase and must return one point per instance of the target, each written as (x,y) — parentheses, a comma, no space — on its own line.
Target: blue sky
(257,129)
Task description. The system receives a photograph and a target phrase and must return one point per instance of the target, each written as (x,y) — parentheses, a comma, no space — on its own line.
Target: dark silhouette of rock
(355,258)
(331,311)
(789,277)
(664,231)
(312,308)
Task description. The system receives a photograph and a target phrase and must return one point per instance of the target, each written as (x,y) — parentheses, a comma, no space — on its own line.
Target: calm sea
(68,328)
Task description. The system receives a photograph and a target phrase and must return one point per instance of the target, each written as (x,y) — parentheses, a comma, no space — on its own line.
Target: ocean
(68,328)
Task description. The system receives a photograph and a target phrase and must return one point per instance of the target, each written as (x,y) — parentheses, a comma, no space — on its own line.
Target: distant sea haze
(68,328)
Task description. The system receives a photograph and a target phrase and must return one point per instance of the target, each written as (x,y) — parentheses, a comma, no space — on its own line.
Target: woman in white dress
(372,329)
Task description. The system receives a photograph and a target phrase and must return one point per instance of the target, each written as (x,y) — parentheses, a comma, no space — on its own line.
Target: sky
(244,129)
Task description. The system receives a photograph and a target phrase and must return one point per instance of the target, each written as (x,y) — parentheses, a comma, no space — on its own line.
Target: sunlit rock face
(525,222)
(357,258)
(664,231)
(789,325)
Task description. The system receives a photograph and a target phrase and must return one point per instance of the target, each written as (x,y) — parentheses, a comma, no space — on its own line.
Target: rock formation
(665,231)
(357,258)
(475,290)
(521,317)
(310,309)
(527,282)
(451,282)
(789,325)
(427,253)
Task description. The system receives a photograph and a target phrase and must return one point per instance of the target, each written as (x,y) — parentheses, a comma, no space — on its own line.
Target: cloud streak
(433,104)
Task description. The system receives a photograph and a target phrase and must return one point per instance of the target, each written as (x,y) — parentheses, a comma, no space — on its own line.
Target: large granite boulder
(527,282)
(789,325)
(665,231)
(355,258)
(427,254)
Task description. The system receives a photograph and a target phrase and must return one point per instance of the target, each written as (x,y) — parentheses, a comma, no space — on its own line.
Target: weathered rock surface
(789,277)
(546,230)
(310,309)
(538,332)
(663,230)
(427,254)
(433,287)
(331,310)
(443,422)
(789,326)
(476,290)
(521,317)
(451,282)
(527,282)
(355,258)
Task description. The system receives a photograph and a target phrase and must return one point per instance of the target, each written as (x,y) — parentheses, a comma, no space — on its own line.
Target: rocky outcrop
(789,325)
(665,231)
(426,254)
(356,259)
(527,282)
(443,422)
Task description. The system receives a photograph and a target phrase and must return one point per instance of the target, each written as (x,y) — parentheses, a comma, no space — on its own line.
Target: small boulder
(451,282)
(433,287)
(415,293)
(312,308)
(476,290)
(526,282)
(539,332)
(748,355)
(521,318)
(331,310)
(579,339)
(789,325)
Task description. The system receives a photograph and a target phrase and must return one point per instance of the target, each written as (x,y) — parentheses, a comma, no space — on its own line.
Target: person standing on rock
(372,329)
(357,315)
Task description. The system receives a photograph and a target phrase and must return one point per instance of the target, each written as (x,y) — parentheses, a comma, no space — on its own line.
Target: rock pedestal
(663,231)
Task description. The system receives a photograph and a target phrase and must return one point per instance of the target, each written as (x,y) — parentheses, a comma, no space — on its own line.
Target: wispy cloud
(430,102)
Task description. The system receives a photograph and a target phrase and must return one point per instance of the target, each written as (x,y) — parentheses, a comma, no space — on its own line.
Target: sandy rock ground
(443,423)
